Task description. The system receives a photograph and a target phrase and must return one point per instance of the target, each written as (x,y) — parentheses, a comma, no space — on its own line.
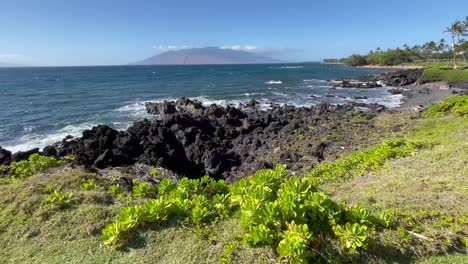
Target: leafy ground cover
(403,200)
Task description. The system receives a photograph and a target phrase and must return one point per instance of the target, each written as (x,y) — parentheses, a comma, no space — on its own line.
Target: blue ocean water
(41,106)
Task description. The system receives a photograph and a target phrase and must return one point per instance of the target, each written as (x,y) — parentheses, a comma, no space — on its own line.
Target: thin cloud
(239,47)
(170,47)
(9,55)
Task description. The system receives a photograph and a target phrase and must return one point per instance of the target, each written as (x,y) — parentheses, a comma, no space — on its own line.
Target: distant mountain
(5,64)
(209,55)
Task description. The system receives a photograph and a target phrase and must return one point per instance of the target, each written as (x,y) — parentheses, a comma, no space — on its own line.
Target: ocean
(42,105)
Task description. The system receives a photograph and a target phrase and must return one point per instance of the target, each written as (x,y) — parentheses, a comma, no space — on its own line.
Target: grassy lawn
(428,190)
(32,231)
(444,72)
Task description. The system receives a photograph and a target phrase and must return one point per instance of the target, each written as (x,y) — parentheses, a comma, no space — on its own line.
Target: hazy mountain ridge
(209,55)
(6,64)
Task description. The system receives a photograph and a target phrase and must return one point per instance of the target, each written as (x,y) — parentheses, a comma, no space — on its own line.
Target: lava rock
(23,155)
(5,156)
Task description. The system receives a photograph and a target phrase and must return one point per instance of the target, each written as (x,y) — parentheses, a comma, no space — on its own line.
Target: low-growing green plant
(259,235)
(60,199)
(166,186)
(144,190)
(229,250)
(300,137)
(89,185)
(274,208)
(454,105)
(156,210)
(26,168)
(295,243)
(359,163)
(116,190)
(200,211)
(352,236)
(112,233)
(154,173)
(69,158)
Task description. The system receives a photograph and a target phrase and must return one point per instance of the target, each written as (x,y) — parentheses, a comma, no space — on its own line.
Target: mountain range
(6,64)
(208,55)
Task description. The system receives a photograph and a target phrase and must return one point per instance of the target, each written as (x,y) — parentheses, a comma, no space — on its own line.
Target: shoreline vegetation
(441,61)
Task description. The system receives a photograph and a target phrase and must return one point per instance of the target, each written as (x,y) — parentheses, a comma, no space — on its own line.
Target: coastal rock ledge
(193,140)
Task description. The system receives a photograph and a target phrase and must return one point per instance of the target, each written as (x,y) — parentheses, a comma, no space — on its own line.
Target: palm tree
(453,31)
(466,26)
(460,29)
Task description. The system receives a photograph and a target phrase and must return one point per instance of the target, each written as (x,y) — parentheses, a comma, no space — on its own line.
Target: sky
(112,32)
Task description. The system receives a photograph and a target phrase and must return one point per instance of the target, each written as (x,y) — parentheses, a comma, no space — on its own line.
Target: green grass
(444,72)
(449,259)
(427,192)
(455,105)
(33,231)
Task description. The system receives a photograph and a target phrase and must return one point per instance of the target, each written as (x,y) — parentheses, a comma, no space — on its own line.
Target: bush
(455,105)
(356,60)
(89,185)
(359,163)
(60,199)
(274,209)
(26,168)
(144,190)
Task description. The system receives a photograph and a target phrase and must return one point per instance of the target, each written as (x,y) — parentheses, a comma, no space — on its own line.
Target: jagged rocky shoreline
(195,140)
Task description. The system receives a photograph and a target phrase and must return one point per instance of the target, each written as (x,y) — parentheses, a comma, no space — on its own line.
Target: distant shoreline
(396,67)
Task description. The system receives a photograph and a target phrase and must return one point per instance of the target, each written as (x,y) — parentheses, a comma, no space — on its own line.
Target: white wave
(31,141)
(280,94)
(252,94)
(206,101)
(273,82)
(291,67)
(314,80)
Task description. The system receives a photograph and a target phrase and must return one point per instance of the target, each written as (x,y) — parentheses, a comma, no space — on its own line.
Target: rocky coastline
(193,140)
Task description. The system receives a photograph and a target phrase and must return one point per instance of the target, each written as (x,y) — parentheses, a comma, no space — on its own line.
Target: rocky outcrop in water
(393,78)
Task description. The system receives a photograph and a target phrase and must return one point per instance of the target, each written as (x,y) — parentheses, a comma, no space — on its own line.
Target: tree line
(429,51)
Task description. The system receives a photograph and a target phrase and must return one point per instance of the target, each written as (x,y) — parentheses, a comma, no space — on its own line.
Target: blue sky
(108,32)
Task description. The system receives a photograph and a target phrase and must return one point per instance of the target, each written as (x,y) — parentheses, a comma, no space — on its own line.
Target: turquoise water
(41,106)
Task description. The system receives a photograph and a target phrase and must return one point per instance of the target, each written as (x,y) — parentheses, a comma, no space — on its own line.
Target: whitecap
(291,67)
(273,82)
(34,140)
(314,80)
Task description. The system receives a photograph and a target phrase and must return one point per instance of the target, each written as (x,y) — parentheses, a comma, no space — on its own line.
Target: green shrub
(352,236)
(89,185)
(165,186)
(454,105)
(300,137)
(295,243)
(274,208)
(116,190)
(60,199)
(144,190)
(359,163)
(26,168)
(356,60)
(156,210)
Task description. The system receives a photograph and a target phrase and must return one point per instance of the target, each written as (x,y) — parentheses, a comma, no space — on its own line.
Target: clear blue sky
(103,32)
